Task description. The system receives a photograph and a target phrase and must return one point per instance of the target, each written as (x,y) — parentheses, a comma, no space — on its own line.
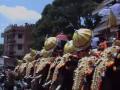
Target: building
(17,42)
(103,5)
(104,10)
(1,63)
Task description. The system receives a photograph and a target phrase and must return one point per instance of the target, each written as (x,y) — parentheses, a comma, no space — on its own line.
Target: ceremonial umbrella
(112,21)
(61,37)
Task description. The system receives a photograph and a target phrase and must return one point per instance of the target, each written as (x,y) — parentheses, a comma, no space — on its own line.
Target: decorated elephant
(106,74)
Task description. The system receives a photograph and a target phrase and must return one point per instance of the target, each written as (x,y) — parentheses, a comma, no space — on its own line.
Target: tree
(98,1)
(63,15)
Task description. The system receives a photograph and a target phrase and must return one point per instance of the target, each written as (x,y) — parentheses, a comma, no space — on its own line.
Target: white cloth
(95,42)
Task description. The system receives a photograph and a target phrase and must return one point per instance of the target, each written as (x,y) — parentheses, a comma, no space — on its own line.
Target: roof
(15,27)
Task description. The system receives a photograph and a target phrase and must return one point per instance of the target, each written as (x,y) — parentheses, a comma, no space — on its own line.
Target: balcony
(102,5)
(2,35)
(11,53)
(11,41)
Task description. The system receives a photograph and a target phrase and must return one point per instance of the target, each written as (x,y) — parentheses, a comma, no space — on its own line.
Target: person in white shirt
(95,42)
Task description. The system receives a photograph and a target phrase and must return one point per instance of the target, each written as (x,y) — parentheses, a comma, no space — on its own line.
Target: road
(0,88)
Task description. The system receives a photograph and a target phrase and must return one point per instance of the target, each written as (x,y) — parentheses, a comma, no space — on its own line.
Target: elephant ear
(32,52)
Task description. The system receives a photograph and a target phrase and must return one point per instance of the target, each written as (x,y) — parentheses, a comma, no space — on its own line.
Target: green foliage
(98,1)
(63,15)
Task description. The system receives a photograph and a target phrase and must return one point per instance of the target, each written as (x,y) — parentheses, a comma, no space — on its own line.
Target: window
(19,46)
(20,35)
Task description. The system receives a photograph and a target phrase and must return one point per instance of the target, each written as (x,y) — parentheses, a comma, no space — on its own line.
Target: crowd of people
(82,63)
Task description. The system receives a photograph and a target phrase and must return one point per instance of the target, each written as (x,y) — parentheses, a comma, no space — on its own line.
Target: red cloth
(97,54)
(62,37)
(100,86)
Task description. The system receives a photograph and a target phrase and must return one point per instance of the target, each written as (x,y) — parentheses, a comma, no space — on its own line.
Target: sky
(20,12)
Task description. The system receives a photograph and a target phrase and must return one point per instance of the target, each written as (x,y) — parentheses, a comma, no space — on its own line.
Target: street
(0,88)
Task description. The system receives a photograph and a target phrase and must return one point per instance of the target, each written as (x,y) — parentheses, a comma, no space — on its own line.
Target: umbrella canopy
(62,36)
(116,9)
(104,12)
(112,21)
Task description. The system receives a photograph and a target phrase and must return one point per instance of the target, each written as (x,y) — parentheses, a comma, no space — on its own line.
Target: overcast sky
(20,12)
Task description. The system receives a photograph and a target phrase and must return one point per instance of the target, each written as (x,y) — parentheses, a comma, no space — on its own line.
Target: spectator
(95,42)
(103,44)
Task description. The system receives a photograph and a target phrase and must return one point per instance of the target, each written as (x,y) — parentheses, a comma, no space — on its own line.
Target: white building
(1,62)
(104,10)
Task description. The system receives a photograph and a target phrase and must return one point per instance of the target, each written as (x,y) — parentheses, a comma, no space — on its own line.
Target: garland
(62,62)
(98,73)
(80,72)
(52,66)
(101,67)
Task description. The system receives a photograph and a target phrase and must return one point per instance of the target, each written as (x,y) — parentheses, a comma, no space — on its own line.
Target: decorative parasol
(61,37)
